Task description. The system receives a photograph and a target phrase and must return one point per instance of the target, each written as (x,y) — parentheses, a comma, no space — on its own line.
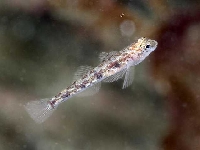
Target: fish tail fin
(39,110)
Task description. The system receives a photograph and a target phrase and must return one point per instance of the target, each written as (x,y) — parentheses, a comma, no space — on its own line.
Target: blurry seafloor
(42,43)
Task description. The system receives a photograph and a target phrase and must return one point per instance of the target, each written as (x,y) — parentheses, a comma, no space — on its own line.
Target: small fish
(87,80)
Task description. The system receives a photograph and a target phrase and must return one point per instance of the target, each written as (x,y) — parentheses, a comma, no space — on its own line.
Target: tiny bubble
(114,107)
(127,28)
(184,105)
(69,140)
(21,79)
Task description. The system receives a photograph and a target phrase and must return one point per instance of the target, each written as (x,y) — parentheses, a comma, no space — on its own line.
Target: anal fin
(90,91)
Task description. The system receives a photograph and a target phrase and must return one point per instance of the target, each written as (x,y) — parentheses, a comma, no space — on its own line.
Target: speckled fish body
(113,66)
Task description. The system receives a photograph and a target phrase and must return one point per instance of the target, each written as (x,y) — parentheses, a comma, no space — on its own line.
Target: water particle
(122,15)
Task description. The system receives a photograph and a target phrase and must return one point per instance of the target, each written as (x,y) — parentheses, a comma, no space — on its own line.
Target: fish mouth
(154,43)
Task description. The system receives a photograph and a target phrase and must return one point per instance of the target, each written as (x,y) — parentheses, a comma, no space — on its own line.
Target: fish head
(145,46)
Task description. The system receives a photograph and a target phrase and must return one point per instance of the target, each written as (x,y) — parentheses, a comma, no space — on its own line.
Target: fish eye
(148,46)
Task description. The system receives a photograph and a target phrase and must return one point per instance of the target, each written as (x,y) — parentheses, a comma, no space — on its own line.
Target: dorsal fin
(103,56)
(82,70)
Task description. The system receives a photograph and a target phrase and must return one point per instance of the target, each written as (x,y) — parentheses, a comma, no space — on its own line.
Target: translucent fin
(129,76)
(39,110)
(115,77)
(81,71)
(90,91)
(104,56)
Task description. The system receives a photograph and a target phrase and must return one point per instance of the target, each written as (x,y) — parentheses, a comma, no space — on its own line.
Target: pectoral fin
(129,77)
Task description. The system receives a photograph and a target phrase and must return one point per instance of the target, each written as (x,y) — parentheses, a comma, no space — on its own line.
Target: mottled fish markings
(113,66)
